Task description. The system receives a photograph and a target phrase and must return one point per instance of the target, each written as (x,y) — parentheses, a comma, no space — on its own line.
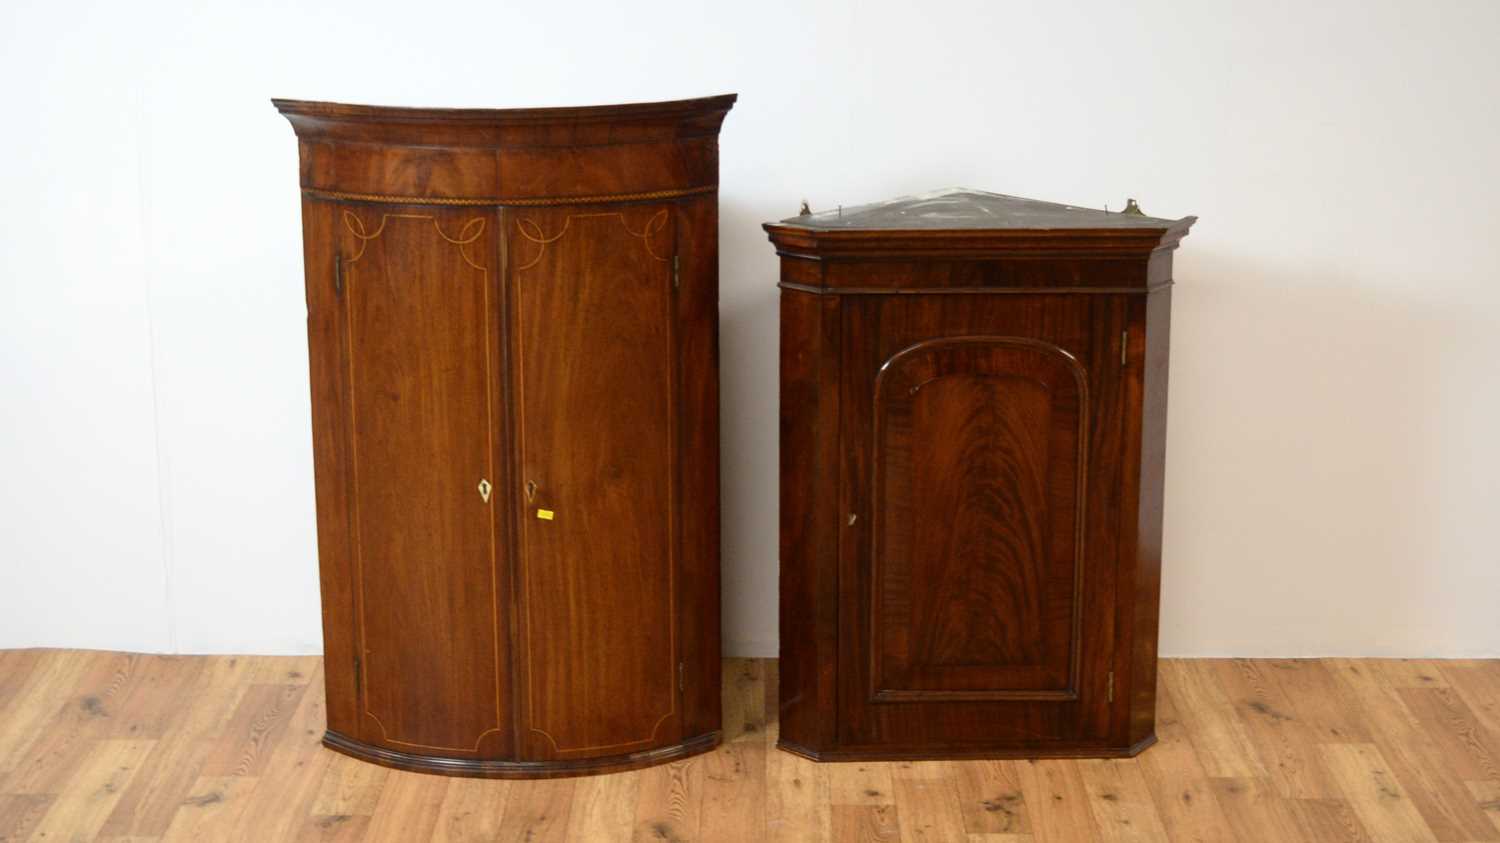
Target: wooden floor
(111,746)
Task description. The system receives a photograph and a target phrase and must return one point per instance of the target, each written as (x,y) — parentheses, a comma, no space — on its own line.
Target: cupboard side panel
(809,449)
(325,338)
(699,582)
(1151,324)
(596,403)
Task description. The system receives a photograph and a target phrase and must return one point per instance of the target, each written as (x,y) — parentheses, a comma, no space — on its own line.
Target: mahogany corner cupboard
(973,425)
(512,323)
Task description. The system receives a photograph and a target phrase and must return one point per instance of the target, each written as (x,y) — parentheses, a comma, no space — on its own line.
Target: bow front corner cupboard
(512,324)
(973,428)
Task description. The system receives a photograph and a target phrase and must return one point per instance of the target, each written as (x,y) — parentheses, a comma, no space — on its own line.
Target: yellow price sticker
(544,514)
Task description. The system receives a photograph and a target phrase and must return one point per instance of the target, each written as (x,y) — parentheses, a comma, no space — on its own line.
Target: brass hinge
(676,278)
(1124,347)
(1109,688)
(338,275)
(681,682)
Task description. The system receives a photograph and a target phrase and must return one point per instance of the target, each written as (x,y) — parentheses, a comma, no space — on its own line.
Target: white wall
(1333,454)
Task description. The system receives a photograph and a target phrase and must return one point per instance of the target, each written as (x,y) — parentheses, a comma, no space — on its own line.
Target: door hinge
(1124,348)
(338,275)
(676,277)
(1109,687)
(681,682)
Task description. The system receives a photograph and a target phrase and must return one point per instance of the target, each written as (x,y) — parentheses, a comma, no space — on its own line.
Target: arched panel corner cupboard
(512,323)
(973,429)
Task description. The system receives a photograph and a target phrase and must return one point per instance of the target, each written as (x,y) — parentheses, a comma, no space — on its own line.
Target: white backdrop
(1335,392)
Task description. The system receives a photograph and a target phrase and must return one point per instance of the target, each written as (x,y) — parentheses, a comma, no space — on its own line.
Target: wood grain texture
(421,376)
(495,156)
(1068,413)
(596,423)
(977,503)
(512,313)
(121,788)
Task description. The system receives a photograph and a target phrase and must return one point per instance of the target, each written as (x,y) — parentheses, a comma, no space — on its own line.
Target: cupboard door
(420,375)
(977,500)
(980,605)
(596,397)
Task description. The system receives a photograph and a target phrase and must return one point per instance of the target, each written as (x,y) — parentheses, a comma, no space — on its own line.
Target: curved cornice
(495,127)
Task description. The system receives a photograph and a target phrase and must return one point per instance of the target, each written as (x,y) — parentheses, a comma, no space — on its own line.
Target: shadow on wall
(1321,435)
(748,389)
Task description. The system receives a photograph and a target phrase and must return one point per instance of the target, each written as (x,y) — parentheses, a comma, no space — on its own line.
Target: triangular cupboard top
(968,220)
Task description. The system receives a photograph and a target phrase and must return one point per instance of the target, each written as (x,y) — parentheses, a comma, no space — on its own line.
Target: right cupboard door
(596,396)
(979,490)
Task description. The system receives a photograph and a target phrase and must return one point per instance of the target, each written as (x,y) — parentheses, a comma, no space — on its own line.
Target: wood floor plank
(167,776)
(1424,772)
(284,670)
(1329,821)
(20,812)
(258,722)
(16,668)
(604,808)
(1374,792)
(89,711)
(744,699)
(927,808)
(148,805)
(339,828)
(45,690)
(472,811)
(1477,683)
(350,787)
(734,792)
(670,800)
(150,706)
(1120,801)
(1286,747)
(990,797)
(538,812)
(137,748)
(861,783)
(1057,802)
(1224,745)
(1184,797)
(89,795)
(1256,811)
(211,810)
(865,824)
(409,807)
(1409,673)
(797,799)
(1487,797)
(1319,701)
(1454,731)
(291,777)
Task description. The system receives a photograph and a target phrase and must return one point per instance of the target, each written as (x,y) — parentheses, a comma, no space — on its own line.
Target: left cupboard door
(416,378)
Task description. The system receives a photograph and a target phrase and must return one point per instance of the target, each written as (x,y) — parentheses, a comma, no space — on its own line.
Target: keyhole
(530,490)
